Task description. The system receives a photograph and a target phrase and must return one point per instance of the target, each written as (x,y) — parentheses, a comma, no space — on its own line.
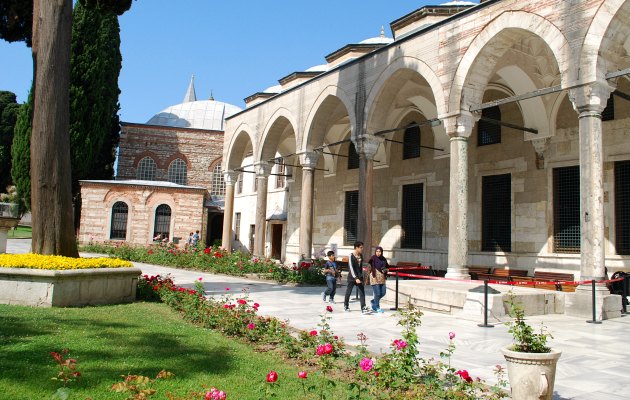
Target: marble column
(589,101)
(228,212)
(458,128)
(366,148)
(308,160)
(262,169)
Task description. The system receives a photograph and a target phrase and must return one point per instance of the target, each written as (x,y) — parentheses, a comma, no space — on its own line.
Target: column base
(457,272)
(3,240)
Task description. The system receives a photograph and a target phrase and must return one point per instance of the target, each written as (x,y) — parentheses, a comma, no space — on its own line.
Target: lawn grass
(139,338)
(20,232)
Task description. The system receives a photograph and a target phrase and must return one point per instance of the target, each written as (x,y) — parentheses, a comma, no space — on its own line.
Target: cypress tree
(8,114)
(21,155)
(94,125)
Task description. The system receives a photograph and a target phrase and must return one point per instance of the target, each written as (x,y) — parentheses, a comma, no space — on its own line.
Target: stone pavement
(595,362)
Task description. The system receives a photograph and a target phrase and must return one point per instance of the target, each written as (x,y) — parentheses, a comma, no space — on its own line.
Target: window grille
(622,207)
(218,182)
(411,142)
(488,133)
(496,213)
(353,157)
(146,169)
(609,112)
(412,216)
(162,225)
(566,209)
(280,170)
(118,230)
(177,172)
(237,226)
(239,183)
(351,216)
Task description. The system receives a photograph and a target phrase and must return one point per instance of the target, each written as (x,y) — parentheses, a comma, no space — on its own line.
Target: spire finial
(190,93)
(211,96)
(382,31)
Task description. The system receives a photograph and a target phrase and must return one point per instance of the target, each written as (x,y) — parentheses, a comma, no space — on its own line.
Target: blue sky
(233,48)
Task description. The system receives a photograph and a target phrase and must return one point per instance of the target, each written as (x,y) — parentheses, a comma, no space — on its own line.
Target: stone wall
(187,206)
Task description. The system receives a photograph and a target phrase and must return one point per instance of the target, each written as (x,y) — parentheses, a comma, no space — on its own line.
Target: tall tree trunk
(51,190)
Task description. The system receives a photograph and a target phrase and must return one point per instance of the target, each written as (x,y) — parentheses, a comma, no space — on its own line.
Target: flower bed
(210,259)
(55,281)
(399,374)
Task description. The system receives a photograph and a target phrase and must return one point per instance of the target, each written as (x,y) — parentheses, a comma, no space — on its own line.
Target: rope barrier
(510,283)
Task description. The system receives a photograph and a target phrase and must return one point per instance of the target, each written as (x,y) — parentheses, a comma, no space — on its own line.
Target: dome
(318,68)
(273,89)
(459,3)
(381,39)
(201,114)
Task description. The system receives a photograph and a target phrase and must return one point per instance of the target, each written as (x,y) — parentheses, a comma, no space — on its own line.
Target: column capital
(460,125)
(591,97)
(230,177)
(308,159)
(368,145)
(262,169)
(540,146)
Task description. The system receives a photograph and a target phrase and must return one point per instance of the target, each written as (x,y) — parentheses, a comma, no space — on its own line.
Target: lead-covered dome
(192,113)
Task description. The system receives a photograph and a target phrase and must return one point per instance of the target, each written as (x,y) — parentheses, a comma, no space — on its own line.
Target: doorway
(252,228)
(214,232)
(276,241)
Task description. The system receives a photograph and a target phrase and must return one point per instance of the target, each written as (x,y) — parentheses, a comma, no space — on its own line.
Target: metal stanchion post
(624,296)
(594,321)
(395,308)
(485,306)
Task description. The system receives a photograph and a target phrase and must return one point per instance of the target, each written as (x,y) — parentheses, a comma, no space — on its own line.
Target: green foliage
(8,116)
(21,154)
(94,69)
(525,339)
(16,21)
(117,7)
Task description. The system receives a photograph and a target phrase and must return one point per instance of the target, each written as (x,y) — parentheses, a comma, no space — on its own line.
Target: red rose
(302,374)
(313,333)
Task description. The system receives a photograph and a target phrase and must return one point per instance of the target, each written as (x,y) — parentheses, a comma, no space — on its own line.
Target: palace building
(490,134)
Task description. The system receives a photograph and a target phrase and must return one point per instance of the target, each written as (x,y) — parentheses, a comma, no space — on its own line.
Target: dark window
(622,207)
(496,213)
(411,142)
(353,157)
(351,217)
(237,226)
(566,210)
(487,132)
(609,112)
(412,214)
(239,184)
(118,230)
(162,225)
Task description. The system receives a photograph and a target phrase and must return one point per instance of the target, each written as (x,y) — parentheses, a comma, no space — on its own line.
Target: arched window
(162,227)
(411,141)
(488,132)
(218,182)
(146,169)
(177,172)
(118,230)
(353,157)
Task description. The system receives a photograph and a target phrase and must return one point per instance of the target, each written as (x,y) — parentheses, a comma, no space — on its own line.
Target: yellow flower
(38,261)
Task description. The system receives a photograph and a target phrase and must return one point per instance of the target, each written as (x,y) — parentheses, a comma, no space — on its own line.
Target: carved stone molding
(591,98)
(540,146)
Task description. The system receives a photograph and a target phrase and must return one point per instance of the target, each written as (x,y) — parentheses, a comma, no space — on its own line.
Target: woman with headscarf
(377,276)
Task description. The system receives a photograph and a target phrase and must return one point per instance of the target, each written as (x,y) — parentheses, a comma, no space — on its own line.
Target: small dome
(202,114)
(318,68)
(273,89)
(378,39)
(459,3)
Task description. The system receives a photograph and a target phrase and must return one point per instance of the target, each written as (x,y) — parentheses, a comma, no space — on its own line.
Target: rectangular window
(411,142)
(496,213)
(566,209)
(237,226)
(609,112)
(239,184)
(353,157)
(351,216)
(488,130)
(412,216)
(281,171)
(622,207)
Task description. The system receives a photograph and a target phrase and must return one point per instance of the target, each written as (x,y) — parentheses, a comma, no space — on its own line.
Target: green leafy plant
(66,374)
(525,339)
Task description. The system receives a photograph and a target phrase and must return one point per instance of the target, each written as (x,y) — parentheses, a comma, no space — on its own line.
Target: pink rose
(451,335)
(272,376)
(302,374)
(313,333)
(251,326)
(366,364)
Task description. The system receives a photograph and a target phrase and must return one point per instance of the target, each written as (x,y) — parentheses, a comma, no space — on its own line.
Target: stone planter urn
(6,223)
(531,375)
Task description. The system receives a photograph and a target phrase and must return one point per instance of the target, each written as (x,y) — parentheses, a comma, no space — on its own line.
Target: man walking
(355,277)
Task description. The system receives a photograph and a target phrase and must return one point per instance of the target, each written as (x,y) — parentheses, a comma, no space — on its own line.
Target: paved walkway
(595,362)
